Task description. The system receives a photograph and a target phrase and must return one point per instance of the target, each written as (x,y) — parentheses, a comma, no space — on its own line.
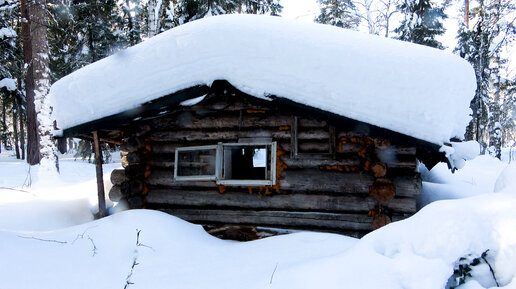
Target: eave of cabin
(112,128)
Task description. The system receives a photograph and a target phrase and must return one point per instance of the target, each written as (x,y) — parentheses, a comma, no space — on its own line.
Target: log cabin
(282,137)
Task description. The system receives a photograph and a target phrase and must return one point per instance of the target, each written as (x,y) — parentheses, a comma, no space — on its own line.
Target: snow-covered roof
(415,90)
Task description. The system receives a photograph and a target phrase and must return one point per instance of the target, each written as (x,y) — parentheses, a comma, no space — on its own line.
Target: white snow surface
(49,240)
(412,89)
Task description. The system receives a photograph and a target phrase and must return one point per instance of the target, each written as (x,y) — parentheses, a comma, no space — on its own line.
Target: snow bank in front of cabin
(418,253)
(149,249)
(413,89)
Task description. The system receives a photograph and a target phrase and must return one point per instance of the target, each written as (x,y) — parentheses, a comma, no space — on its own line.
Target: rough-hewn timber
(329,177)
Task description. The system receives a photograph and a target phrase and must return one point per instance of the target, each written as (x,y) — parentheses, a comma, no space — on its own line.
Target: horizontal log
(216,136)
(305,180)
(115,194)
(320,147)
(189,121)
(161,161)
(326,181)
(132,188)
(118,177)
(303,162)
(300,220)
(408,186)
(181,135)
(293,201)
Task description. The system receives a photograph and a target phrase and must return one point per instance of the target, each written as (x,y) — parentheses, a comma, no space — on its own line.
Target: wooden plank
(336,221)
(295,201)
(100,174)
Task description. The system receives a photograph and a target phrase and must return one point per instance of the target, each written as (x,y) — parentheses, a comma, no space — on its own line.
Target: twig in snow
(94,246)
(138,241)
(272,276)
(44,240)
(18,190)
(490,268)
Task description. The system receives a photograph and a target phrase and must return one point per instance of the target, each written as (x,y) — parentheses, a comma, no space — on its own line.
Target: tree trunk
(15,127)
(41,72)
(4,123)
(32,125)
(22,129)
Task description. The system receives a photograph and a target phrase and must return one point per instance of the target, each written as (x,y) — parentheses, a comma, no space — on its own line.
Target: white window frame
(201,177)
(219,165)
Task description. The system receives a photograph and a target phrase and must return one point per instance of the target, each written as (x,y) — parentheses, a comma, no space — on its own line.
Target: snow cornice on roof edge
(411,89)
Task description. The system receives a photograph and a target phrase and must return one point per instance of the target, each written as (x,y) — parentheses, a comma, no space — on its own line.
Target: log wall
(328,178)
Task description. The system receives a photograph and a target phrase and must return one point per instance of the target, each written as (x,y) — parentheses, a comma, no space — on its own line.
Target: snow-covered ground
(48,239)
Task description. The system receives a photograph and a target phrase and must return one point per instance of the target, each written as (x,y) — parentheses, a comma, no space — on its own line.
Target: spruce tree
(190,10)
(422,22)
(340,13)
(482,46)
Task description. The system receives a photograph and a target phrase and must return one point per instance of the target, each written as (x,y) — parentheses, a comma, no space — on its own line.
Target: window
(196,163)
(238,164)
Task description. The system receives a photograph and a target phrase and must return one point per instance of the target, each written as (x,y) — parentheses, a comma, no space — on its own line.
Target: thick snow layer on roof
(412,89)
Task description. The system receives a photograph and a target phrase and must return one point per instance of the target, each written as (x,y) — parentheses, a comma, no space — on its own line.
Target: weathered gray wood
(100,174)
(294,201)
(162,161)
(307,180)
(189,121)
(336,221)
(132,188)
(408,186)
(115,194)
(326,181)
(118,177)
(305,162)
(216,136)
(166,178)
(181,135)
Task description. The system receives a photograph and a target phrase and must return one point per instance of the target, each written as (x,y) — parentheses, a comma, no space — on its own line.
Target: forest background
(44,40)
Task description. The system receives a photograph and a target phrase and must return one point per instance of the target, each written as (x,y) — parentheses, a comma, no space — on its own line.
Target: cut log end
(380,221)
(379,170)
(383,190)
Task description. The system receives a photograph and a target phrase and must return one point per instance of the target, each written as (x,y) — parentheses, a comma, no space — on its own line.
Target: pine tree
(340,13)
(482,46)
(11,74)
(422,22)
(272,7)
(190,10)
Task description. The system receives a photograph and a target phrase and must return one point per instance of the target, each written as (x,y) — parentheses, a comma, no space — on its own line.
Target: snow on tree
(422,22)
(340,13)
(41,74)
(189,10)
(482,46)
